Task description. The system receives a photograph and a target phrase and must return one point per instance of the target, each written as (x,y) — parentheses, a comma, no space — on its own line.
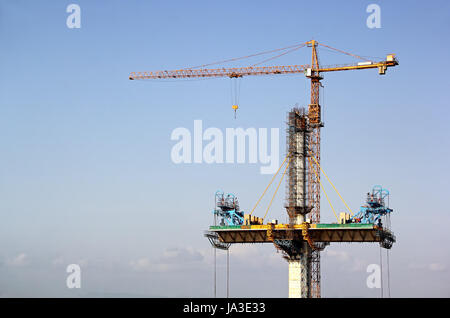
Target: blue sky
(85,169)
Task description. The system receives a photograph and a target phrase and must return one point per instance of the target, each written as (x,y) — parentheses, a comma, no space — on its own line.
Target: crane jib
(259,70)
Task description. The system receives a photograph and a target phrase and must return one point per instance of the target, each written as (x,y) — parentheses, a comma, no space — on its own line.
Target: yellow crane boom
(264,70)
(261,70)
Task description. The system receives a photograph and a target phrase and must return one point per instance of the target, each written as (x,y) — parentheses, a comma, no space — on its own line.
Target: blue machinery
(368,228)
(227,208)
(377,205)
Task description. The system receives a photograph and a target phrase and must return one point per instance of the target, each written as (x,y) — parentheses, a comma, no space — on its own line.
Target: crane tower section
(315,122)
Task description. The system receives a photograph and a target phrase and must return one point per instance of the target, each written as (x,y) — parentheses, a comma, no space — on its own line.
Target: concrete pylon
(300,273)
(299,253)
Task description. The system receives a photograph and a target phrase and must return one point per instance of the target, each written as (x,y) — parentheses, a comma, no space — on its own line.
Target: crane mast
(315,121)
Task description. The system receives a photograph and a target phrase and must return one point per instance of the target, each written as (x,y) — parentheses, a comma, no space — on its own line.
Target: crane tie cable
(326,195)
(279,183)
(350,54)
(331,183)
(273,178)
(277,56)
(248,56)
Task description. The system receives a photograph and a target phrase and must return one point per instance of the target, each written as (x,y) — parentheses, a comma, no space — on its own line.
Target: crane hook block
(235,107)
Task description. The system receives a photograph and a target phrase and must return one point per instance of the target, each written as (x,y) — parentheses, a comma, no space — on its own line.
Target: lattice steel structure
(315,121)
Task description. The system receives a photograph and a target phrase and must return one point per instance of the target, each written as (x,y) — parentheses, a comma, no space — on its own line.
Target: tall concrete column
(299,259)
(299,273)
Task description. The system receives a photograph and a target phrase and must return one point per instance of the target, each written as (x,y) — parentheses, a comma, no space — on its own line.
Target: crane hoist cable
(235,85)
(323,189)
(265,190)
(278,186)
(236,81)
(331,183)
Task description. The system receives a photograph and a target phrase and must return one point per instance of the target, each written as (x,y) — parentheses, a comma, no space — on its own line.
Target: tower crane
(313,72)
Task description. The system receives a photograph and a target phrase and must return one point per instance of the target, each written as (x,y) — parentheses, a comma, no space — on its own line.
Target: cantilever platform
(317,233)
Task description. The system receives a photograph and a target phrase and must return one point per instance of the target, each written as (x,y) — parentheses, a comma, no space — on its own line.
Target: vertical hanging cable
(215,286)
(215,223)
(228,272)
(235,90)
(388,278)
(387,220)
(381,272)
(238,93)
(231,91)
